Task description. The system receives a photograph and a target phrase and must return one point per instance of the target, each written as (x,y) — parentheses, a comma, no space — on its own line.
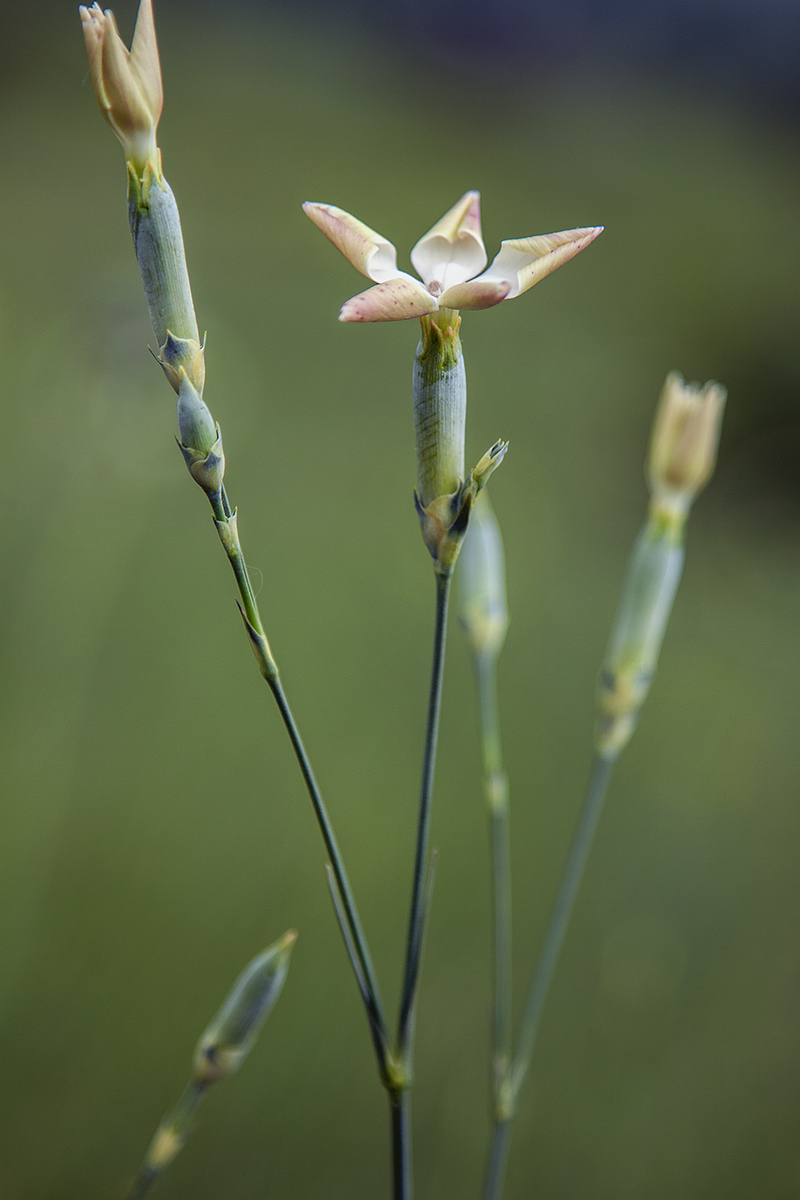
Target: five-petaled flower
(127,83)
(449,259)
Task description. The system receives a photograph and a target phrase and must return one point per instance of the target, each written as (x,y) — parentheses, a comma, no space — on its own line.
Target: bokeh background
(155,833)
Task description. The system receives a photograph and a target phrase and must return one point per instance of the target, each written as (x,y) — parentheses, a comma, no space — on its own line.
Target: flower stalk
(220,1052)
(681,459)
(683,450)
(127,87)
(484,619)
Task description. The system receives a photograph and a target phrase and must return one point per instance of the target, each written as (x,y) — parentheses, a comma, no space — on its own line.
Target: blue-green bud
(230,1036)
(196,427)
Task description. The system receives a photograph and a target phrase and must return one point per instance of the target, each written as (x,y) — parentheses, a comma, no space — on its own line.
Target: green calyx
(139,185)
(440,345)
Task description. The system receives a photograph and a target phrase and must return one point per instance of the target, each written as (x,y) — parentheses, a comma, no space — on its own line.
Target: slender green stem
(416,921)
(224,517)
(400,1102)
(337,864)
(497,1164)
(543,976)
(496,788)
(223,512)
(598,785)
(420,903)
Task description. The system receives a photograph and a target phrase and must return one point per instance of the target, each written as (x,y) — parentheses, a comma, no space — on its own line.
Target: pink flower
(449,260)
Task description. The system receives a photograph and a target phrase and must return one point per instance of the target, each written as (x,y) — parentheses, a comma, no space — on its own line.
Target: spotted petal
(474,294)
(369,253)
(522,262)
(453,250)
(396,300)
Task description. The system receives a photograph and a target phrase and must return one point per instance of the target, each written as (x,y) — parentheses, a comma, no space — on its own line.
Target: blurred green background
(155,832)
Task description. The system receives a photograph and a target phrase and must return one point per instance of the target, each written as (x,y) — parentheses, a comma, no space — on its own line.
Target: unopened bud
(482,581)
(683,450)
(230,1036)
(127,83)
(683,444)
(196,426)
(648,591)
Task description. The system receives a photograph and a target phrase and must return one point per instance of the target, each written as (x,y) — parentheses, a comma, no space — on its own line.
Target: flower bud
(648,591)
(127,83)
(683,445)
(196,426)
(482,581)
(230,1036)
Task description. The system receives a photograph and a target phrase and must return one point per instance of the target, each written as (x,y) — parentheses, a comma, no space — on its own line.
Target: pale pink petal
(144,57)
(474,294)
(93,24)
(396,300)
(522,262)
(369,253)
(453,250)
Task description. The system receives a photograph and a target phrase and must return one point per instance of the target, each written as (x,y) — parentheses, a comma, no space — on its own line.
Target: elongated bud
(196,427)
(482,581)
(127,83)
(219,1053)
(651,580)
(230,1036)
(682,455)
(440,407)
(683,445)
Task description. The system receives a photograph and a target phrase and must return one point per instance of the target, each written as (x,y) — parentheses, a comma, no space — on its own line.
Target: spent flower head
(127,83)
(683,444)
(449,259)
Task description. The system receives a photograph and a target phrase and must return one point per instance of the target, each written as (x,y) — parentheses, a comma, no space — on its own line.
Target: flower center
(435,288)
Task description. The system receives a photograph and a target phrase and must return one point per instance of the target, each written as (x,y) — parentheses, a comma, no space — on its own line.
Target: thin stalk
(416,921)
(499,1160)
(223,515)
(400,1102)
(337,864)
(543,976)
(496,789)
